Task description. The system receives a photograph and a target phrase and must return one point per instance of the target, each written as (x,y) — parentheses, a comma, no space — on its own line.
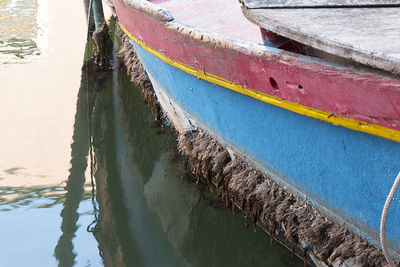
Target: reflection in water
(148,216)
(22,37)
(91,82)
(14,197)
(37,107)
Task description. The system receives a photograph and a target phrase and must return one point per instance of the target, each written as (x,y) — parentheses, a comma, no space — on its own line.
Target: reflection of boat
(147,215)
(279,108)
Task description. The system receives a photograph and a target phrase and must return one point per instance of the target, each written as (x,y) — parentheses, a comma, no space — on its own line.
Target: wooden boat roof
(365,34)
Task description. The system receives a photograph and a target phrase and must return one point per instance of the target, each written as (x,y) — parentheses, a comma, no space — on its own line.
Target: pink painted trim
(344,92)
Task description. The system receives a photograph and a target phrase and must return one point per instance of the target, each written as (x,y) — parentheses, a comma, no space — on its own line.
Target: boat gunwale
(221,41)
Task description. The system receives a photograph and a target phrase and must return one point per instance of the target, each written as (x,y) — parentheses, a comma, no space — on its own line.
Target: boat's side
(357,100)
(346,173)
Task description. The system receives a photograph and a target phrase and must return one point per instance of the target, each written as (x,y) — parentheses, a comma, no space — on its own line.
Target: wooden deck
(218,16)
(368,36)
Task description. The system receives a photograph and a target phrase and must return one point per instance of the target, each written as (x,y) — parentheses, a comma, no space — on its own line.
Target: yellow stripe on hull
(353,124)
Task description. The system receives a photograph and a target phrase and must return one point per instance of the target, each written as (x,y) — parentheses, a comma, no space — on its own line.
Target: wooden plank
(318,3)
(368,36)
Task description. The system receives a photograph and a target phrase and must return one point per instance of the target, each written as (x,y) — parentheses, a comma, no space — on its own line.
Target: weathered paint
(370,98)
(295,107)
(345,173)
(205,14)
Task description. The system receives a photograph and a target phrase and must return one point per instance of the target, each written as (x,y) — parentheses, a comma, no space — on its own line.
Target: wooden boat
(315,103)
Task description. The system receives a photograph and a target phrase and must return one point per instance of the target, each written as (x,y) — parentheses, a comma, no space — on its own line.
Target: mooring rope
(383,220)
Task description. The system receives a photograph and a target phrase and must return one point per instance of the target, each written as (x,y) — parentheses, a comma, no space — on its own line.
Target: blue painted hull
(344,173)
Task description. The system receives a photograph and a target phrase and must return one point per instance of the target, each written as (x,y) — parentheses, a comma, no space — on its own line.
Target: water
(85,177)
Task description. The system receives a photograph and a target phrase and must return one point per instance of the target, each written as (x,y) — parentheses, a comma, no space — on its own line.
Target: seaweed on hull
(265,203)
(136,70)
(260,199)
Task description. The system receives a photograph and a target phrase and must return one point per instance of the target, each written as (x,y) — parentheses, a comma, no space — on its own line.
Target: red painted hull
(360,95)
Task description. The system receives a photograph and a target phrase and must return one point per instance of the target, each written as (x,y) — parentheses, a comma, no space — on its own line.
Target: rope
(383,220)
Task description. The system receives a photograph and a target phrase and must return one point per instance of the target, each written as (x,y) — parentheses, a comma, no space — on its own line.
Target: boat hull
(354,98)
(345,172)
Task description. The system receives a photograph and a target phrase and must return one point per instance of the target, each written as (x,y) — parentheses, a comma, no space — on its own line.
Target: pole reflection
(92,81)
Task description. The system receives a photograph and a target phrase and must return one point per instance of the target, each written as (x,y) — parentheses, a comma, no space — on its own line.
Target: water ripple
(22,31)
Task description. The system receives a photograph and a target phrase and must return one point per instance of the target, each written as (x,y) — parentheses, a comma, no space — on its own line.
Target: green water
(86,177)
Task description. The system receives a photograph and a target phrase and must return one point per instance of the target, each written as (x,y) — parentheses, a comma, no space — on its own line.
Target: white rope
(383,220)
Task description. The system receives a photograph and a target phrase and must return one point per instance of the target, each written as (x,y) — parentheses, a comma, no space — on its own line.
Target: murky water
(86,179)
